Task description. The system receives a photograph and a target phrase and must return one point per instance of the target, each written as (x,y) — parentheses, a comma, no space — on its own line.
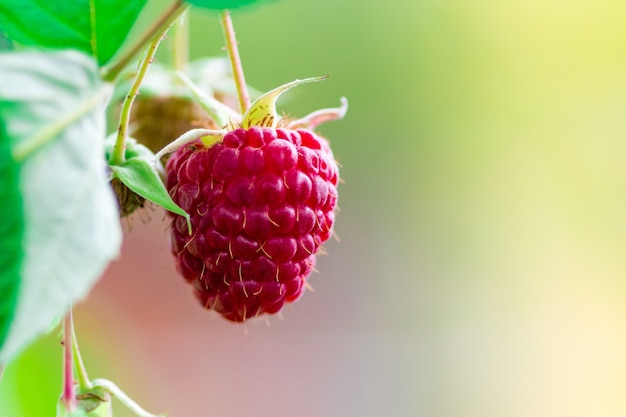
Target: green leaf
(11,234)
(96,27)
(52,105)
(140,176)
(221,4)
(139,173)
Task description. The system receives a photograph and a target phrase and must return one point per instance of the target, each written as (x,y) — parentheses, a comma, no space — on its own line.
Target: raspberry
(161,118)
(261,203)
(128,201)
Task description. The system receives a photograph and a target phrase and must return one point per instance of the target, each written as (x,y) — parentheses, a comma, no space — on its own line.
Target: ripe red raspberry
(261,203)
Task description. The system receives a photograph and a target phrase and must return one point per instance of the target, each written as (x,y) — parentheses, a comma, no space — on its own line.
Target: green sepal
(62,411)
(103,410)
(91,399)
(263,111)
(220,112)
(140,173)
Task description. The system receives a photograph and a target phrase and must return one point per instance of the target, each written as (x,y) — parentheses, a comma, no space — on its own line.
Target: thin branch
(180,47)
(118,155)
(114,390)
(81,372)
(235,61)
(110,73)
(119,149)
(68,397)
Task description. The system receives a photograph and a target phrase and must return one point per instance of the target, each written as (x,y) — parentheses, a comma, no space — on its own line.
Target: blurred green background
(481,268)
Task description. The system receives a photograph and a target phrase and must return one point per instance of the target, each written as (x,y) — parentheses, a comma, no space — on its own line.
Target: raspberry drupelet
(261,202)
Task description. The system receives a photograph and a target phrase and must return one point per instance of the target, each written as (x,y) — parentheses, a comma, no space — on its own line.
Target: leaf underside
(72,228)
(96,27)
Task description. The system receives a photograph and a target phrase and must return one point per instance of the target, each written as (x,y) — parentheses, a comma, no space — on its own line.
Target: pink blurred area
(142,328)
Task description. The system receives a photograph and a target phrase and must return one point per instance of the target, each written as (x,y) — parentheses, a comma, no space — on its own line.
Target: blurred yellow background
(481,268)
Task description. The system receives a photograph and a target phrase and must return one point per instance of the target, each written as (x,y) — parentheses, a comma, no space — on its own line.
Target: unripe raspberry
(159,119)
(128,201)
(261,202)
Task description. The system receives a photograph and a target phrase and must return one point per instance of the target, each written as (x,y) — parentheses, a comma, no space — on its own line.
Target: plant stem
(119,149)
(69,395)
(81,372)
(2,366)
(235,61)
(114,390)
(110,73)
(180,52)
(117,156)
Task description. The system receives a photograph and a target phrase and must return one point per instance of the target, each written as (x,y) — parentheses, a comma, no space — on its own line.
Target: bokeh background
(481,268)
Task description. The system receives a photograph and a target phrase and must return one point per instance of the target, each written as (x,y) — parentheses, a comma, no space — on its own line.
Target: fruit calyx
(261,113)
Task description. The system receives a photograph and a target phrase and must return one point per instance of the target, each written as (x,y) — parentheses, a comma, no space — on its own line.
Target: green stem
(81,372)
(119,149)
(180,52)
(235,61)
(110,73)
(69,395)
(117,156)
(114,390)
(2,366)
